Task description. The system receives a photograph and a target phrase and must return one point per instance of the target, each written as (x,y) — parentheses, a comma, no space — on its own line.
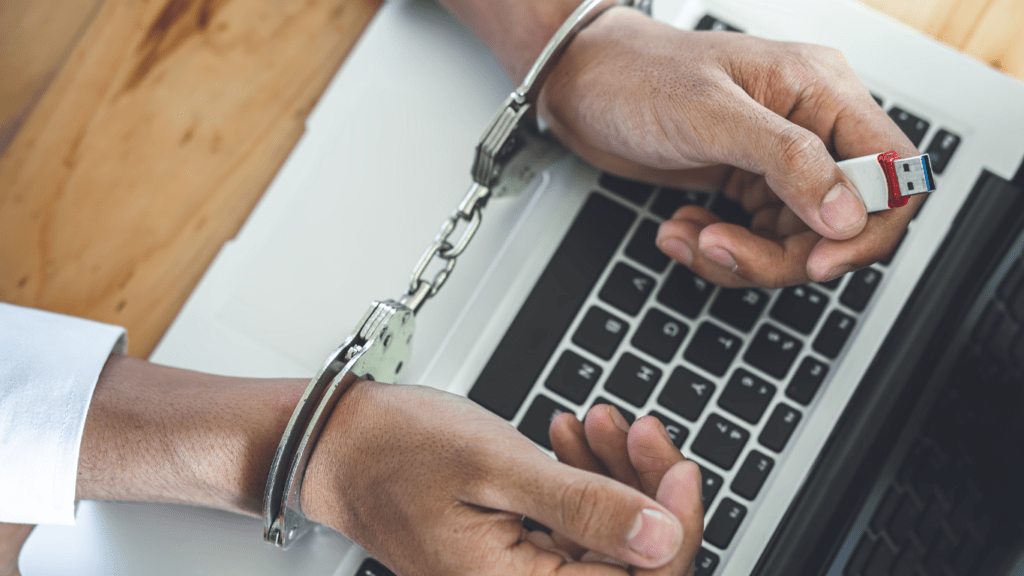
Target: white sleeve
(49,365)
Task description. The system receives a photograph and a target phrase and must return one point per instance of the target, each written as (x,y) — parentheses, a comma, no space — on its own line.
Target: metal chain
(470,210)
(500,146)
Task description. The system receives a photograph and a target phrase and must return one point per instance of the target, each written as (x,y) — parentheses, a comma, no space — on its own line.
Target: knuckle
(798,149)
(579,506)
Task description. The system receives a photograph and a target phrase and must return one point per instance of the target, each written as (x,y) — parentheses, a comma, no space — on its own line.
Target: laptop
(801,405)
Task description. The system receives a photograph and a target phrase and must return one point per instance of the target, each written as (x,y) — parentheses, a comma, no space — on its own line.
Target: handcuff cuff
(508,157)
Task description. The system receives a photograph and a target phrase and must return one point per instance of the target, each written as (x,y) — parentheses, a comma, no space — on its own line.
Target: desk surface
(153,128)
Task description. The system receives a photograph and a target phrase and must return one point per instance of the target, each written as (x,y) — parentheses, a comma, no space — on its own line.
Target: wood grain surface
(148,150)
(165,121)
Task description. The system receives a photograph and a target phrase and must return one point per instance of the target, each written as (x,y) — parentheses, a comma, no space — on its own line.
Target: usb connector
(886,180)
(914,175)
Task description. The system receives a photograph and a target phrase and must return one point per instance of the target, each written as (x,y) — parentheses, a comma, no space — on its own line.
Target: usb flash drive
(886,180)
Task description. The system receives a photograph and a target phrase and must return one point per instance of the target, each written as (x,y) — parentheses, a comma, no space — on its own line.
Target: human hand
(642,456)
(431,483)
(760,120)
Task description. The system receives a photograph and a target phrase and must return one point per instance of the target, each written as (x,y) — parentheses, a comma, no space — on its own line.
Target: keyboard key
(779,427)
(676,431)
(642,248)
(371,567)
(709,22)
(685,292)
(877,98)
(705,563)
(686,393)
(730,211)
(720,441)
(860,288)
(552,305)
(712,348)
(773,351)
(834,333)
(881,559)
(908,563)
(941,150)
(600,332)
(632,379)
(573,377)
(669,200)
(659,335)
(914,127)
(537,420)
(929,524)
(628,415)
(752,474)
(710,483)
(724,523)
(739,307)
(902,520)
(885,509)
(859,559)
(746,396)
(808,378)
(833,283)
(627,288)
(635,192)
(799,307)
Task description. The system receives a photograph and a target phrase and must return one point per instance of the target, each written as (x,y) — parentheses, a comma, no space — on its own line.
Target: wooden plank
(151,147)
(998,37)
(27,65)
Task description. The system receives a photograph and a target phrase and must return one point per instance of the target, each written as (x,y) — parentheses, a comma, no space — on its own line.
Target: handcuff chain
(503,139)
(470,210)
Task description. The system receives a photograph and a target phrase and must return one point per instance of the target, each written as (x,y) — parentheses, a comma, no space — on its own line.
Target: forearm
(161,434)
(514,30)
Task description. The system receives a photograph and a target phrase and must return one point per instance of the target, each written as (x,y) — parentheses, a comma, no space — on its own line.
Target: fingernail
(654,535)
(842,209)
(617,418)
(721,256)
(677,250)
(664,432)
(837,272)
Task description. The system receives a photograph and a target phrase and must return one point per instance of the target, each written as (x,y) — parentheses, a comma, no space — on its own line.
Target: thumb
(796,165)
(599,513)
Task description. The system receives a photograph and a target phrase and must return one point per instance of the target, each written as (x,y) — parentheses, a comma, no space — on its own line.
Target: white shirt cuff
(49,366)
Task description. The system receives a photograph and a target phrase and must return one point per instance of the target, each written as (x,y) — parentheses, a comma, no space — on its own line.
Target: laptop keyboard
(958,487)
(730,372)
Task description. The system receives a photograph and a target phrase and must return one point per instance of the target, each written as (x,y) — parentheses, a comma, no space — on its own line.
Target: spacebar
(549,309)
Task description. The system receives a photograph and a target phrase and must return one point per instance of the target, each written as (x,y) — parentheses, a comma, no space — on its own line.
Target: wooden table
(135,137)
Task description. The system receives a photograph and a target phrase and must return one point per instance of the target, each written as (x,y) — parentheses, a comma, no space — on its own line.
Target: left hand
(641,456)
(762,121)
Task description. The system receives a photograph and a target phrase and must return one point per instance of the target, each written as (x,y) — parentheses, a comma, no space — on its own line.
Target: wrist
(335,467)
(515,31)
(161,434)
(583,69)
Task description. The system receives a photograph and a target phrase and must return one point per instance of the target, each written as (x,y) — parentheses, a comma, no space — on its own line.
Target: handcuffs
(508,157)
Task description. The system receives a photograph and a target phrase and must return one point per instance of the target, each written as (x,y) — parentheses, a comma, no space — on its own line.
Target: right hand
(761,120)
(431,483)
